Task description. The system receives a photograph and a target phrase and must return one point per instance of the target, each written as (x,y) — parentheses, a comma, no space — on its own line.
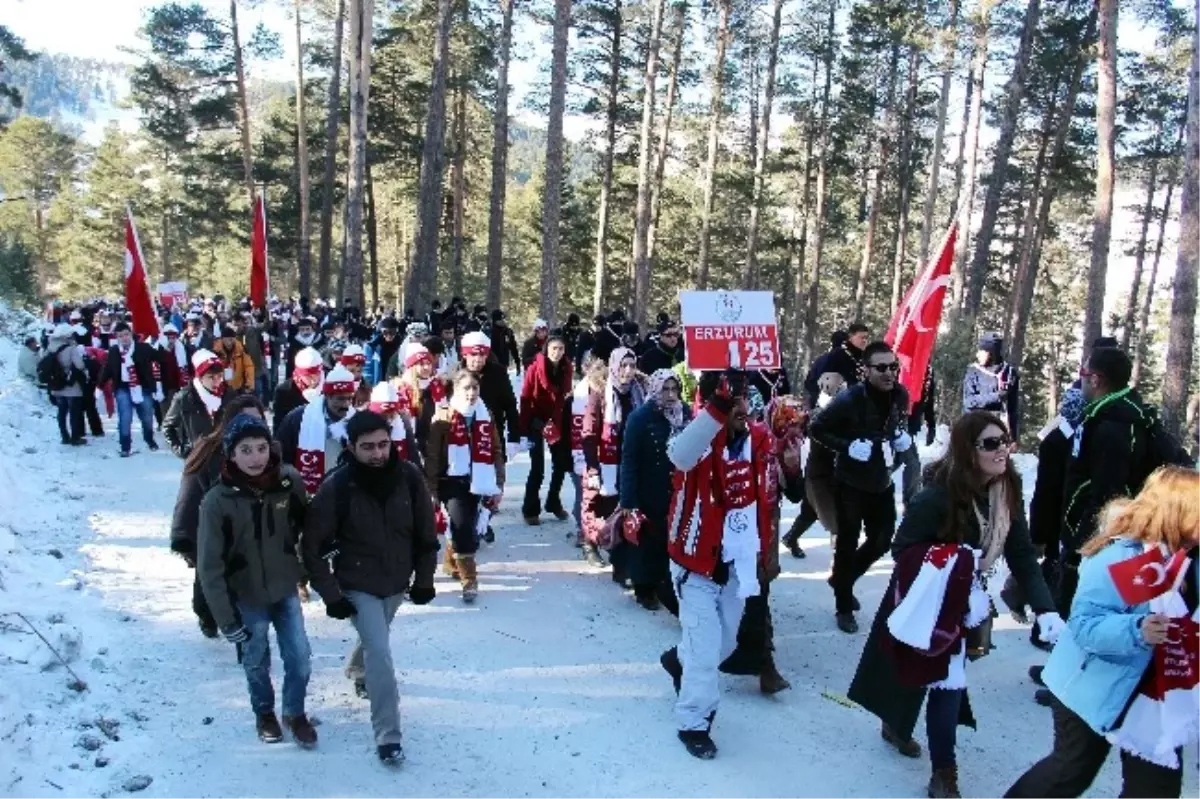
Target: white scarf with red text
(473,452)
(129,374)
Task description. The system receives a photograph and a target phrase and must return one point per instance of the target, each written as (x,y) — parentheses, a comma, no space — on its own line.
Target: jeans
(263,388)
(867,511)
(72,407)
(462,508)
(125,408)
(288,619)
(532,506)
(1079,752)
(371,661)
(709,615)
(941,725)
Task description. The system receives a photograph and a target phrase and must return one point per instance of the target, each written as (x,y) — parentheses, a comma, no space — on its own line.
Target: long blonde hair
(1165,511)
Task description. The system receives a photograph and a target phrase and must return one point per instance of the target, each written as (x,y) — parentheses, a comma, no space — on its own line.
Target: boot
(943,784)
(302,730)
(468,576)
(909,748)
(592,556)
(770,681)
(269,731)
(448,561)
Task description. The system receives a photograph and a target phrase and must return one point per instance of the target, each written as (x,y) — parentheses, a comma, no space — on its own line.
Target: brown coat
(235,358)
(437,452)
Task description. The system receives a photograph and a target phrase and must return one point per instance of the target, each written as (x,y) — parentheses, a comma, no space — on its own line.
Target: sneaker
(269,731)
(909,748)
(847,623)
(391,754)
(125,453)
(1035,674)
(302,731)
(669,660)
(698,743)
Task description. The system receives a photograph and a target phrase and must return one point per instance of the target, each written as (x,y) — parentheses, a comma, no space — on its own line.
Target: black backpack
(51,373)
(1162,448)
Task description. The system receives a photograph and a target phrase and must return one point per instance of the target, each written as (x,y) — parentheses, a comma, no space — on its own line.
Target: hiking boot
(847,623)
(698,743)
(391,754)
(1035,674)
(742,663)
(269,731)
(208,628)
(944,783)
(449,567)
(360,689)
(490,535)
(78,441)
(592,556)
(909,748)
(646,597)
(771,682)
(302,730)
(669,660)
(468,577)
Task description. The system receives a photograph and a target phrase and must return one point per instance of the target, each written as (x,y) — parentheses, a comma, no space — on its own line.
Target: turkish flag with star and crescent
(137,291)
(914,326)
(1148,575)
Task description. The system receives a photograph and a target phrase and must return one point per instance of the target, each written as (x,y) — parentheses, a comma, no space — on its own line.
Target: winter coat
(504,345)
(1046,507)
(172,378)
(287,399)
(846,360)
(187,421)
(143,364)
(996,388)
(70,358)
(185,520)
(854,414)
(437,452)
(379,352)
(646,472)
(1106,455)
(496,391)
(252,343)
(771,383)
(658,357)
(543,397)
(382,546)
(27,363)
(239,369)
(1100,657)
(247,544)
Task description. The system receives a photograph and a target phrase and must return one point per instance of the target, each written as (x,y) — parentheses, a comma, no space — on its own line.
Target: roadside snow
(549,686)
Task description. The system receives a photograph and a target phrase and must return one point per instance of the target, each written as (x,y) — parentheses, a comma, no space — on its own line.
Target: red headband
(384,407)
(345,387)
(418,357)
(208,366)
(307,371)
(476,350)
(353,360)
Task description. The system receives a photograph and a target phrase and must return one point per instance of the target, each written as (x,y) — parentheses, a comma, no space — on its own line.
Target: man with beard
(845,357)
(495,389)
(865,426)
(193,413)
(303,387)
(504,341)
(310,437)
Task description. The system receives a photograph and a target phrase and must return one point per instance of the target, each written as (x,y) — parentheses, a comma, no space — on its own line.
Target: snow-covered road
(548,686)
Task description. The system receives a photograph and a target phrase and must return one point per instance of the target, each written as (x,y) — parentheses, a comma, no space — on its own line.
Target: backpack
(1162,448)
(51,373)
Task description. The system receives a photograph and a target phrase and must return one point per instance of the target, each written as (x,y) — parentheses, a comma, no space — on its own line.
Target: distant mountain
(75,93)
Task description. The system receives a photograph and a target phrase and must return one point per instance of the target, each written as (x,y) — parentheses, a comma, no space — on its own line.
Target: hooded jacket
(239,368)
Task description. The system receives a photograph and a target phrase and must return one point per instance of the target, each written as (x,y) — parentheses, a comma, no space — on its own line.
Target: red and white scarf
(212,402)
(310,446)
(473,452)
(129,374)
(579,401)
(181,358)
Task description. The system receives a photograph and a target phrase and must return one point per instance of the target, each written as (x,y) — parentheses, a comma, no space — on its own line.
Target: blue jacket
(645,476)
(1101,657)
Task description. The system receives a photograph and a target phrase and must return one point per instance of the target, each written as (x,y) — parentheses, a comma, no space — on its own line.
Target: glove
(512,450)
(902,442)
(592,481)
(236,634)
(340,608)
(422,594)
(186,550)
(1051,625)
(860,450)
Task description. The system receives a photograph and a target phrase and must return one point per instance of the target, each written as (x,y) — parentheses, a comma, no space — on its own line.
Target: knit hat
(205,361)
(308,361)
(476,344)
(169,328)
(241,427)
(418,330)
(384,398)
(991,342)
(62,331)
(339,381)
(540,324)
(353,355)
(415,354)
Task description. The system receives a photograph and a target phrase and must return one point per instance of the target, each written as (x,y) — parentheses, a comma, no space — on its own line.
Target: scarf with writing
(310,445)
(129,375)
(472,450)
(610,436)
(579,401)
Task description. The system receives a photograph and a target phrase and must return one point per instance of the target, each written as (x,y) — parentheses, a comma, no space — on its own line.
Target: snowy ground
(548,686)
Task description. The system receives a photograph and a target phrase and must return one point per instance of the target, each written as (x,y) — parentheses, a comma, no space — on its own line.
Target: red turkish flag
(914,326)
(1150,574)
(137,292)
(258,255)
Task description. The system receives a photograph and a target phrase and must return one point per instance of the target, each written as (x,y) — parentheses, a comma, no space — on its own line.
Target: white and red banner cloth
(723,329)
(472,452)
(579,400)
(137,290)
(310,446)
(259,281)
(915,618)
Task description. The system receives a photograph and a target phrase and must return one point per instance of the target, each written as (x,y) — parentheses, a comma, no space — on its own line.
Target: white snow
(549,685)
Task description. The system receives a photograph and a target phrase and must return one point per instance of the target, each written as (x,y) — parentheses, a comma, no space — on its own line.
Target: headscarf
(673,410)
(633,387)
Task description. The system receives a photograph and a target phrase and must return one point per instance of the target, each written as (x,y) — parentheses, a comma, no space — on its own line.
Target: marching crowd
(344,452)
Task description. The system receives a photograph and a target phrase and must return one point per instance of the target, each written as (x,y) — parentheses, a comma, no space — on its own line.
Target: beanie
(241,427)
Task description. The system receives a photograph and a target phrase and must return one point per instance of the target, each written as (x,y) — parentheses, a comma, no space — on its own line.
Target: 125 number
(757,354)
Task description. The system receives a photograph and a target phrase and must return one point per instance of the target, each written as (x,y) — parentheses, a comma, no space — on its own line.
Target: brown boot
(448,560)
(468,577)
(909,748)
(302,730)
(770,681)
(944,783)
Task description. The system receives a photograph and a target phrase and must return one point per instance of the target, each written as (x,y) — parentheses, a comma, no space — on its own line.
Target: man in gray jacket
(68,391)
(369,538)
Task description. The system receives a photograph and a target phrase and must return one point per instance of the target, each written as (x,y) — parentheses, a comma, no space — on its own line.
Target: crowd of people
(327,449)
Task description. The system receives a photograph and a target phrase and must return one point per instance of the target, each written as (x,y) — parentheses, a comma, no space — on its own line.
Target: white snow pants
(709,615)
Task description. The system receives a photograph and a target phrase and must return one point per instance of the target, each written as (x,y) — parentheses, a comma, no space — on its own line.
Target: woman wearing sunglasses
(969,514)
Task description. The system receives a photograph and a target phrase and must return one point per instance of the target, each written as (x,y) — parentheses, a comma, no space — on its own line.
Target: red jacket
(542,398)
(696,521)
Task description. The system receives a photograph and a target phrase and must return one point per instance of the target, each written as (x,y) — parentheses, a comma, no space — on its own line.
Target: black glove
(186,550)
(422,594)
(340,608)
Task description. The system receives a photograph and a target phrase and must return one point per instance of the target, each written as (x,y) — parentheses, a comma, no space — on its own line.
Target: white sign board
(724,329)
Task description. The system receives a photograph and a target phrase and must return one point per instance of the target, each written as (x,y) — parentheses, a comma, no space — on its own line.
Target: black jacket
(656,357)
(143,364)
(287,399)
(496,391)
(382,546)
(1046,507)
(855,414)
(530,350)
(187,421)
(504,344)
(771,383)
(1105,461)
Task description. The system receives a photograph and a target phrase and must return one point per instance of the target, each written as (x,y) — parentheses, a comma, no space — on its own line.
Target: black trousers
(200,604)
(942,706)
(1078,754)
(756,634)
(532,506)
(806,519)
(462,508)
(70,409)
(872,513)
(91,411)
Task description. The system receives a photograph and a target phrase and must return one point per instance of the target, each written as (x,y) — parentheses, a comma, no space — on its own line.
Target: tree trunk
(361,14)
(304,258)
(166,248)
(875,190)
(813,290)
(1178,372)
(372,240)
(949,40)
(1143,328)
(714,131)
(332,112)
(1010,112)
(548,302)
(1140,256)
(1106,156)
(495,257)
(750,271)
(800,247)
(243,108)
(422,279)
(660,160)
(460,192)
(905,175)
(610,140)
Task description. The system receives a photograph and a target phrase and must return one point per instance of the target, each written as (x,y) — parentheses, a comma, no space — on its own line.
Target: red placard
(723,329)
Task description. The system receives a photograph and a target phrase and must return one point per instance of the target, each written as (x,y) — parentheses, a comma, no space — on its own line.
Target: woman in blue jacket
(1099,661)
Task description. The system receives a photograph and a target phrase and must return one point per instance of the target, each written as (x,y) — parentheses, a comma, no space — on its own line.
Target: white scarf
(310,445)
(579,401)
(470,451)
(739,541)
(211,401)
(181,357)
(129,374)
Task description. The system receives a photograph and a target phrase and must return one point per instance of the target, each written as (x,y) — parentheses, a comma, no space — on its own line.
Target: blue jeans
(262,388)
(125,408)
(288,620)
(72,407)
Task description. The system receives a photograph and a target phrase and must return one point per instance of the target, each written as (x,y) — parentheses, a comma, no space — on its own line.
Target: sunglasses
(892,367)
(993,443)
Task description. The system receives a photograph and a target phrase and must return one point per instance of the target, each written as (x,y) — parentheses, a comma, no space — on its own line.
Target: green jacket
(247,545)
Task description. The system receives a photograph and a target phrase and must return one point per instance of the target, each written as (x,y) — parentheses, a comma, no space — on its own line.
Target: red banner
(1144,577)
(258,255)
(723,329)
(914,326)
(137,291)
